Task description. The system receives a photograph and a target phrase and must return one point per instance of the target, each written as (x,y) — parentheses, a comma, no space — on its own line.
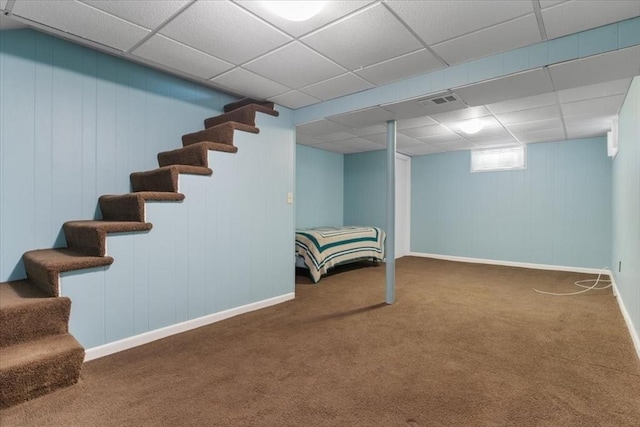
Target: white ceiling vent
(439,100)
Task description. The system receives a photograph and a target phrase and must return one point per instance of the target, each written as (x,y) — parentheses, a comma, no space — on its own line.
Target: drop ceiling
(350,46)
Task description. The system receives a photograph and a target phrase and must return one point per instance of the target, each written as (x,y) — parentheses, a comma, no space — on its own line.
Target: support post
(390,249)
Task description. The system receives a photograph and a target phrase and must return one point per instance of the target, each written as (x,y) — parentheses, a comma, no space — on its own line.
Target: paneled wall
(365,197)
(74,124)
(555,212)
(319,187)
(626,206)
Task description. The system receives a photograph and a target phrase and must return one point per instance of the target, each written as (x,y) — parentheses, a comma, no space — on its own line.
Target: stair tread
(221,133)
(156,196)
(20,292)
(110,226)
(194,154)
(246,101)
(65,259)
(184,169)
(42,348)
(245,114)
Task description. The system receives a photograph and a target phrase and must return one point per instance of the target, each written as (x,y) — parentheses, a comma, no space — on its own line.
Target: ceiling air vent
(439,100)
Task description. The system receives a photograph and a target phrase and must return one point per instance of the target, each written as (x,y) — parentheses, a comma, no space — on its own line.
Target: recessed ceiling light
(471,126)
(295,10)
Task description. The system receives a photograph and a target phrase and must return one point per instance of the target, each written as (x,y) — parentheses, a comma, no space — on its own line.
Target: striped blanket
(325,247)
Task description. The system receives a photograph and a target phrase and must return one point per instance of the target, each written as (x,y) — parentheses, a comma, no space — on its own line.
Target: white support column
(390,250)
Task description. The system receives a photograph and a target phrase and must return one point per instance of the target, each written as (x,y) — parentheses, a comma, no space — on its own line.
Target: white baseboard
(625,314)
(627,319)
(147,337)
(510,263)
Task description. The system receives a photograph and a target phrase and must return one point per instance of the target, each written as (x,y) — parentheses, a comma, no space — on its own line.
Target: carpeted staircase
(37,353)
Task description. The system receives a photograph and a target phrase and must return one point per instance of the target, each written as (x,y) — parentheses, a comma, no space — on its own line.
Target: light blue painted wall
(75,124)
(319,187)
(555,212)
(365,178)
(626,205)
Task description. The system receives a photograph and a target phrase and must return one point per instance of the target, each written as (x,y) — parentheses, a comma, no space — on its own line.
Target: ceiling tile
(513,86)
(381,138)
(525,103)
(607,106)
(338,86)
(496,143)
(436,21)
(295,65)
(172,54)
(419,150)
(369,130)
(146,13)
(489,134)
(321,127)
(207,26)
(423,106)
(437,140)
(83,21)
(307,140)
(361,118)
(365,38)
(548,3)
(246,83)
(331,12)
(427,131)
(542,135)
(336,147)
(3,4)
(294,99)
(362,144)
(416,122)
(532,115)
(499,38)
(335,136)
(619,64)
(572,17)
(399,68)
(461,115)
(599,90)
(533,126)
(588,129)
(6,23)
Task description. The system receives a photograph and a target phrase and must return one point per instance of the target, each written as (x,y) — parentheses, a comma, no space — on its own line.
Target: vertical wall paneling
(626,207)
(75,124)
(364,189)
(319,187)
(555,212)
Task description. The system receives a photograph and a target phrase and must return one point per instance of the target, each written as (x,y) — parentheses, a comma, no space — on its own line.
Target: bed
(321,248)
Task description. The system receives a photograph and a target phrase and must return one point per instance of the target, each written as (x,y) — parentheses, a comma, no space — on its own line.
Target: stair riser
(188,156)
(161,180)
(33,321)
(246,116)
(222,134)
(41,277)
(122,208)
(36,379)
(88,241)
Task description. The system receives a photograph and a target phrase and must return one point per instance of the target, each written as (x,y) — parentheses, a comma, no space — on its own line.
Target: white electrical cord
(580,284)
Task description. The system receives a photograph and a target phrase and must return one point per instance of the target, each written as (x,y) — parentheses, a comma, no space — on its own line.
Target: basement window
(499,159)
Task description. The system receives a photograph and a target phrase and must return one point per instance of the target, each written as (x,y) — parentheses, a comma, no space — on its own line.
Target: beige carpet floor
(464,345)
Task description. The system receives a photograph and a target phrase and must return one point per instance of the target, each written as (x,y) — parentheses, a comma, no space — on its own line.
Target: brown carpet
(464,345)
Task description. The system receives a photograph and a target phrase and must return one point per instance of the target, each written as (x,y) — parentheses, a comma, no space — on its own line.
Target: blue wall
(555,212)
(626,205)
(74,124)
(365,183)
(319,187)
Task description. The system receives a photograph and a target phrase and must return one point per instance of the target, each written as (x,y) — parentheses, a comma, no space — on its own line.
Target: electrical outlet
(289,198)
